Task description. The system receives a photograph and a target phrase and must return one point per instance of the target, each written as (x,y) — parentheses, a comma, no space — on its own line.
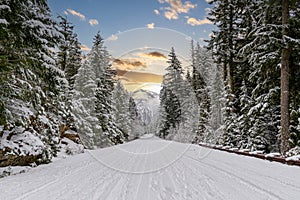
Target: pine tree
(251,42)
(223,40)
(69,61)
(132,109)
(170,111)
(233,18)
(137,127)
(188,77)
(293,41)
(265,72)
(172,96)
(29,96)
(121,112)
(173,78)
(245,120)
(84,105)
(100,62)
(199,85)
(69,55)
(188,126)
(217,100)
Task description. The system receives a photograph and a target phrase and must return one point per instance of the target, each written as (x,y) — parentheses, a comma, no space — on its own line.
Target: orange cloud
(156,12)
(196,22)
(150,26)
(93,22)
(176,7)
(84,48)
(140,77)
(128,64)
(153,54)
(75,13)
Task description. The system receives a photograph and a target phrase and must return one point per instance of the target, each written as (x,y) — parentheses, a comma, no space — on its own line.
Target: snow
(244,150)
(147,136)
(272,155)
(3,21)
(226,147)
(43,119)
(13,170)
(68,147)
(2,7)
(155,169)
(23,144)
(256,152)
(293,158)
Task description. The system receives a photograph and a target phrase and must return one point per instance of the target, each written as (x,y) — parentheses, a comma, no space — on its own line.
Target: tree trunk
(224,72)
(284,96)
(230,78)
(230,43)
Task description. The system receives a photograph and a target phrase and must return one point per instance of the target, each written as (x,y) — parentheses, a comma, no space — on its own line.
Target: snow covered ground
(153,169)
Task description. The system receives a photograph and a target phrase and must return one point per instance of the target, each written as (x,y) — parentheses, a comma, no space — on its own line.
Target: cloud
(176,7)
(150,26)
(171,14)
(153,54)
(139,77)
(156,12)
(196,22)
(112,38)
(84,48)
(66,12)
(128,64)
(93,22)
(75,13)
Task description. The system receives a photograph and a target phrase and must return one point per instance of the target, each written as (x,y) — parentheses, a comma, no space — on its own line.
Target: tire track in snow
(102,188)
(144,178)
(110,174)
(128,181)
(167,190)
(242,180)
(150,171)
(251,170)
(254,173)
(126,187)
(25,195)
(207,187)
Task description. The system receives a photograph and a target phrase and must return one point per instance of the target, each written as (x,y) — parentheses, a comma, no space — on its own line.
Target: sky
(139,33)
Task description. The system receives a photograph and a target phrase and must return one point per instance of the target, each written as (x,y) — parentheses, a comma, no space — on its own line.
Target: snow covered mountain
(145,94)
(147,104)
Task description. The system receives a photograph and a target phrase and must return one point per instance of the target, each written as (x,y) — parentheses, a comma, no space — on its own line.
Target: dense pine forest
(240,90)
(50,90)
(257,47)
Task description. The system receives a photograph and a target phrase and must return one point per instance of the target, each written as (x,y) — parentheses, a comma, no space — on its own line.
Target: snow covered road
(154,169)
